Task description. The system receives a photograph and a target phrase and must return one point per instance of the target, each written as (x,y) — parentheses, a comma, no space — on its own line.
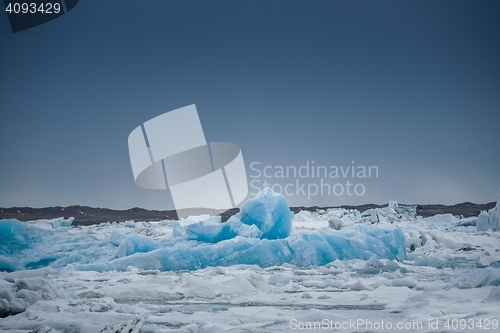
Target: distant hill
(89,215)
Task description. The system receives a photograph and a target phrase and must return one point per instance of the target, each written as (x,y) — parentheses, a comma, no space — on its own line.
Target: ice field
(264,270)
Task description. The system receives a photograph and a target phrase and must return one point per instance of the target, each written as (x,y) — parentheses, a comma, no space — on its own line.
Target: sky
(410,87)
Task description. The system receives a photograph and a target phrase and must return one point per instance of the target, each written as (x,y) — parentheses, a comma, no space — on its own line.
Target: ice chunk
(201,218)
(61,222)
(117,237)
(303,216)
(338,218)
(45,329)
(259,235)
(129,224)
(7,265)
(314,283)
(494,295)
(10,304)
(304,249)
(133,326)
(219,309)
(489,277)
(372,266)
(203,227)
(267,216)
(483,222)
(358,286)
(16,236)
(337,224)
(393,212)
(413,239)
(495,217)
(34,273)
(489,220)
(309,220)
(405,282)
(210,229)
(19,293)
(280,278)
(133,244)
(269,211)
(177,229)
(376,266)
(241,229)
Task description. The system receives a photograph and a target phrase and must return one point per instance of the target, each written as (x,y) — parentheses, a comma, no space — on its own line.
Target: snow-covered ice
(261,271)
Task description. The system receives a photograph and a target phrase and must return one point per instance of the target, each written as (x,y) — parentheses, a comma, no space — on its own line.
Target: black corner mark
(26,14)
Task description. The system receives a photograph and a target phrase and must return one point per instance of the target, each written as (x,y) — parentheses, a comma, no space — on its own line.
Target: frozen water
(338,218)
(304,249)
(19,290)
(269,212)
(489,220)
(267,216)
(494,295)
(210,229)
(133,244)
(495,217)
(62,223)
(483,222)
(488,277)
(117,237)
(282,278)
(17,236)
(58,277)
(337,224)
(376,266)
(260,234)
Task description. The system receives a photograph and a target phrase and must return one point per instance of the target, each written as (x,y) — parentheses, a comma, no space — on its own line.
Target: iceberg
(16,236)
(210,229)
(133,244)
(260,234)
(483,222)
(108,277)
(489,220)
(267,217)
(304,249)
(269,211)
(27,246)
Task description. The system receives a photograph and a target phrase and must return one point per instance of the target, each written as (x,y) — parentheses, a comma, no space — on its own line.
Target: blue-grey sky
(412,87)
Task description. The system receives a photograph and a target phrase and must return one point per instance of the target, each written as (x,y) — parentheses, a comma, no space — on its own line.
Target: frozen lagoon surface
(262,271)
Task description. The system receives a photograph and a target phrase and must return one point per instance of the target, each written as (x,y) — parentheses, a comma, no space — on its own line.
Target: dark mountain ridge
(85,215)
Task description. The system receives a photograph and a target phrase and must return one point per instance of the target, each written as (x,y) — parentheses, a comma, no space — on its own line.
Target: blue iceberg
(16,236)
(259,235)
(133,244)
(304,249)
(269,211)
(267,217)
